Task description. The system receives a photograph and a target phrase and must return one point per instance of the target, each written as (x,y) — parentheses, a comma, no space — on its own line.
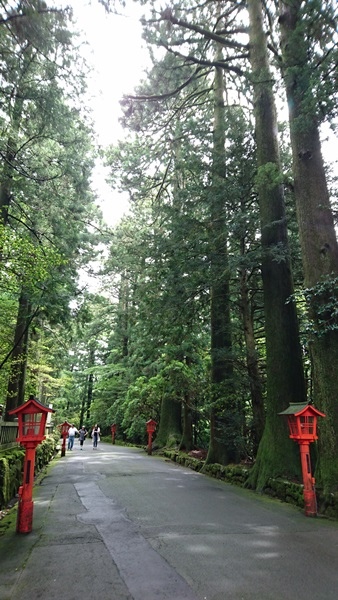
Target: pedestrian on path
(72,431)
(96,435)
(82,436)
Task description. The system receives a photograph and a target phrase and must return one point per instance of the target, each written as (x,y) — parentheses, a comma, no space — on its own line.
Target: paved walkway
(76,549)
(76,562)
(115,524)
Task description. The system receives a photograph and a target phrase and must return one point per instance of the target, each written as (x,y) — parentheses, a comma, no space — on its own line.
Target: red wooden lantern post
(32,416)
(151,427)
(113,432)
(64,432)
(302,421)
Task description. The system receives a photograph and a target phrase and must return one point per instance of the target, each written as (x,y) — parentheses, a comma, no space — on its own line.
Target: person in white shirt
(71,436)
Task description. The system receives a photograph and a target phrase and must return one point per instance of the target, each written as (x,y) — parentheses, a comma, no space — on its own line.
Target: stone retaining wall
(11,467)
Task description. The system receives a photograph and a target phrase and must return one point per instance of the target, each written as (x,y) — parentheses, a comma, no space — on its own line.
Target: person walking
(72,431)
(96,435)
(82,436)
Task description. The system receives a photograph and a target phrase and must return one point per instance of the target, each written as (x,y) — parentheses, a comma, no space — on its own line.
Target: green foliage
(322,302)
(23,262)
(46,203)
(269,176)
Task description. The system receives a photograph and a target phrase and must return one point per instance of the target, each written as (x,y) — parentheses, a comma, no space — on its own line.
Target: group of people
(82,433)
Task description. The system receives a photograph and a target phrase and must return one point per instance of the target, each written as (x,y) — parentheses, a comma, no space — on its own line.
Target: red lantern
(151,427)
(32,416)
(302,421)
(64,432)
(113,432)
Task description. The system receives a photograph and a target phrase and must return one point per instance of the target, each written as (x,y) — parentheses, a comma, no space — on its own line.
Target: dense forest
(215,297)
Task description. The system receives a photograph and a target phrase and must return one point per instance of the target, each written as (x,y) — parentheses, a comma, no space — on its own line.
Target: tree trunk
(90,383)
(256,386)
(170,427)
(16,381)
(11,149)
(224,421)
(285,377)
(187,443)
(317,234)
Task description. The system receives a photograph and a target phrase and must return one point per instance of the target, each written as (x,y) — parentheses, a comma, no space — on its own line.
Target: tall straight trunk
(17,375)
(83,406)
(317,233)
(255,379)
(285,377)
(90,385)
(224,421)
(170,428)
(123,314)
(187,442)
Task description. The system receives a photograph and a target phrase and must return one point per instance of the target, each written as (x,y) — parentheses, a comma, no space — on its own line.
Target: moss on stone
(11,466)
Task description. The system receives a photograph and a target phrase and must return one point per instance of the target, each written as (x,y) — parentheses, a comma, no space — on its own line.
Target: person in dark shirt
(95,435)
(82,436)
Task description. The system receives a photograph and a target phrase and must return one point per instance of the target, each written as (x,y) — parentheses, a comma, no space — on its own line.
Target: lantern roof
(302,408)
(30,407)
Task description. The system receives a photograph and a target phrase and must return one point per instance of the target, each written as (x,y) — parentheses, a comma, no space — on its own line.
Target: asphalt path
(116,524)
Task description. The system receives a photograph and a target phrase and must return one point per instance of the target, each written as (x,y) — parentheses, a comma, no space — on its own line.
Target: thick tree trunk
(285,377)
(317,234)
(170,427)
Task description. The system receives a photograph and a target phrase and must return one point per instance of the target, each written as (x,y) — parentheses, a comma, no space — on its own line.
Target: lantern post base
(25,516)
(63,447)
(309,493)
(310,503)
(150,443)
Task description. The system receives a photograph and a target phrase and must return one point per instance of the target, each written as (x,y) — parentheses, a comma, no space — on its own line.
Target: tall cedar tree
(306,27)
(37,147)
(285,378)
(223,417)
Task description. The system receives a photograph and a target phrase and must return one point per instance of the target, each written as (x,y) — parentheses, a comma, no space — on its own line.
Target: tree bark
(170,427)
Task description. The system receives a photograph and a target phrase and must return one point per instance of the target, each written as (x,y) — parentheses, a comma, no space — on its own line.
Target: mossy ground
(8,519)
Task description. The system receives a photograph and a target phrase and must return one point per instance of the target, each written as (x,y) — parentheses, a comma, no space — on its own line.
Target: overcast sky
(115,50)
(118,57)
